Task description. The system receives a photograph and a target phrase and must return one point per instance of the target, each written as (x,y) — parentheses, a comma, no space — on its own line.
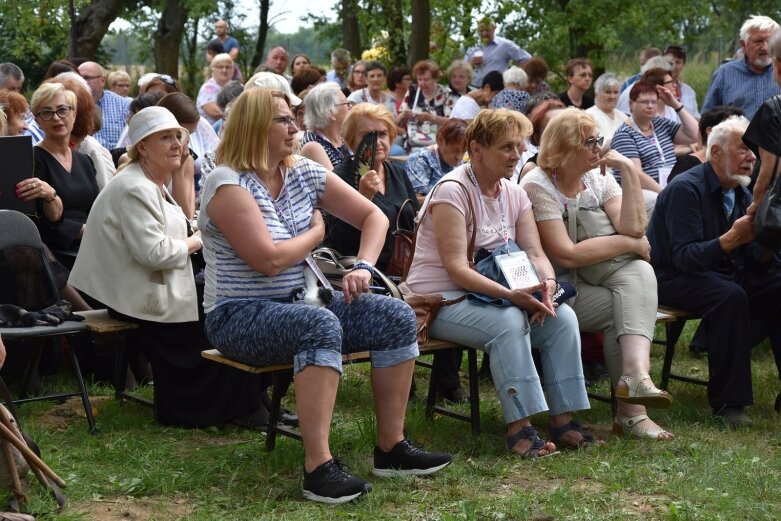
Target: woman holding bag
(592,226)
(442,264)
(386,184)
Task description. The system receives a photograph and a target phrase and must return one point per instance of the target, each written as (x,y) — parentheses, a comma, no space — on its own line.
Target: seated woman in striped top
(259,221)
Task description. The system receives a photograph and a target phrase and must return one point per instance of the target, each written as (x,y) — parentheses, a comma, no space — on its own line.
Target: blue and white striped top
(631,143)
(228,277)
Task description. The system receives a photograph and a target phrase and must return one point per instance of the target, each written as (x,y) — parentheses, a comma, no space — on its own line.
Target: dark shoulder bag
(767,221)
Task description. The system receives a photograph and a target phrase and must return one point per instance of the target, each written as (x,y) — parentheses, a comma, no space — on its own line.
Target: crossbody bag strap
(572,230)
(470,248)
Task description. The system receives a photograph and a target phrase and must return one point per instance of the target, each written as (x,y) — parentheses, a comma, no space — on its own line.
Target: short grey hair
(516,75)
(320,105)
(721,134)
(775,44)
(658,62)
(756,23)
(461,64)
(605,81)
(10,70)
(340,55)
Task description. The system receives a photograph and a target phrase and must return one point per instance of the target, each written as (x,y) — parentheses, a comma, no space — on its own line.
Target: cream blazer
(133,257)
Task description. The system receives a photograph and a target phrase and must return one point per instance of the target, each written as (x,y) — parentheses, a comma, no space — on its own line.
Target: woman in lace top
(570,186)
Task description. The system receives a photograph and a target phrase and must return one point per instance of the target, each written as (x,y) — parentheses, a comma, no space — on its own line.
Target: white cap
(273,81)
(150,120)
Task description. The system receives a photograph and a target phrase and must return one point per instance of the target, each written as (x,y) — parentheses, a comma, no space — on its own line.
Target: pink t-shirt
(427,275)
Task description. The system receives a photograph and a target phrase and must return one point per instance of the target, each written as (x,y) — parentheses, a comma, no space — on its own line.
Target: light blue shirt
(496,57)
(735,83)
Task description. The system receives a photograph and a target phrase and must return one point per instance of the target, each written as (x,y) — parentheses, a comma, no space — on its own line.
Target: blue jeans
(265,332)
(505,334)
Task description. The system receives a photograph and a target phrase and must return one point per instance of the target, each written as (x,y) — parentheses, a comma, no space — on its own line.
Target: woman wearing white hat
(135,260)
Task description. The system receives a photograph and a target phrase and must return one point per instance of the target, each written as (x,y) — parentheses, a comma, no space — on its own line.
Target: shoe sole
(311,496)
(386,473)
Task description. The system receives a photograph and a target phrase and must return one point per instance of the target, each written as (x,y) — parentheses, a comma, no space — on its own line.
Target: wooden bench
(100,323)
(674,323)
(282,376)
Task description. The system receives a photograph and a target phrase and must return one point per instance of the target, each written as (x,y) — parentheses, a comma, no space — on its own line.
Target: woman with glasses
(571,193)
(648,139)
(260,219)
(357,78)
(159,83)
(221,69)
(65,184)
(325,110)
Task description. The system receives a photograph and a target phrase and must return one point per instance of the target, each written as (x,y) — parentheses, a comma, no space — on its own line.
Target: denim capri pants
(266,332)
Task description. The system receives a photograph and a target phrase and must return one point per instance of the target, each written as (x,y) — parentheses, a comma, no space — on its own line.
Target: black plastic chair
(26,281)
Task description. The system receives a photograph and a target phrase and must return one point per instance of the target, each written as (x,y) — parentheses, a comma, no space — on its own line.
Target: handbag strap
(471,248)
(401,210)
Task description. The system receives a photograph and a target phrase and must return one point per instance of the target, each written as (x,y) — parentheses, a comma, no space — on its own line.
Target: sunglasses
(593,143)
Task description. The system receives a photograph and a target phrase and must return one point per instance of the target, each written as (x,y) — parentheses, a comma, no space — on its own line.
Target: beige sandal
(630,427)
(636,392)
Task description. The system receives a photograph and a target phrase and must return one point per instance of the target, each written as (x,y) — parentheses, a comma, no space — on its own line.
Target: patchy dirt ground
(131,509)
(71,411)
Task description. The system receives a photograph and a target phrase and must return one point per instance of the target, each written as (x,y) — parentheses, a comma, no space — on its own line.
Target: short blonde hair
(564,135)
(244,143)
(46,92)
(492,123)
(222,57)
(115,76)
(364,111)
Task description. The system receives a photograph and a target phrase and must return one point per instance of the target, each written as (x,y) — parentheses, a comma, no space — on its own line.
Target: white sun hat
(150,120)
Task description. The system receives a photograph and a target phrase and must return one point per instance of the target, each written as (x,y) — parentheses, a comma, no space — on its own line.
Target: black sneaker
(405,459)
(330,483)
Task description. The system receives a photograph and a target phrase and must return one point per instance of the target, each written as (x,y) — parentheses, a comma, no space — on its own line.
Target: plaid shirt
(114,109)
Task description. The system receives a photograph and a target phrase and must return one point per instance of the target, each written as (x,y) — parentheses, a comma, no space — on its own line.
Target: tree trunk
(351,33)
(420,31)
(192,62)
(396,38)
(168,37)
(260,44)
(92,25)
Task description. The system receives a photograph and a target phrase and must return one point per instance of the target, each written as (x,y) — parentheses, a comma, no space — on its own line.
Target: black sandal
(557,432)
(528,433)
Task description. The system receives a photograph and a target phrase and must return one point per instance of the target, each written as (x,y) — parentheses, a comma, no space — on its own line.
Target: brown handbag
(402,246)
(427,306)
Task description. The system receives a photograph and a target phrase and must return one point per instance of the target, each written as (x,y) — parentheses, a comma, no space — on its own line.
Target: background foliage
(610,32)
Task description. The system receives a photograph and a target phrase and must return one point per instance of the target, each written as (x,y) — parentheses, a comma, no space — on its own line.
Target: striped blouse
(228,277)
(631,143)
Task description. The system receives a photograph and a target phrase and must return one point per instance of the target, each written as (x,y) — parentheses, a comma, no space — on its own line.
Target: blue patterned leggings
(264,332)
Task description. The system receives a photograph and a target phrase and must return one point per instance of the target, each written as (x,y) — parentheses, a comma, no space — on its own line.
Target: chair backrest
(25,277)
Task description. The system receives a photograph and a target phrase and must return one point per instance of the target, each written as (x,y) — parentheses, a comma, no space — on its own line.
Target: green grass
(136,469)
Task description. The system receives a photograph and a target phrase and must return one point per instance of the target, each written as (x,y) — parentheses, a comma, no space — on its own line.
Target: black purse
(767,221)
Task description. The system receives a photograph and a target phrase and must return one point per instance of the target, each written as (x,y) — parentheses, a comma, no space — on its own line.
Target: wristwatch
(53,197)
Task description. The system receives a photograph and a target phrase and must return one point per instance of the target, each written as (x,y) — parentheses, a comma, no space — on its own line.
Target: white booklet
(518,270)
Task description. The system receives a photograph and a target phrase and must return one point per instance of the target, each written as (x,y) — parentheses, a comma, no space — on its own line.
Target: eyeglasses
(646,101)
(593,143)
(88,78)
(285,120)
(223,67)
(359,72)
(350,104)
(48,115)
